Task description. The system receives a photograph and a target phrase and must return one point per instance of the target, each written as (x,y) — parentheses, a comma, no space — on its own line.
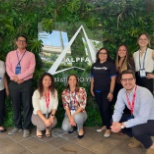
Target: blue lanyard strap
(71,101)
(21,57)
(143,59)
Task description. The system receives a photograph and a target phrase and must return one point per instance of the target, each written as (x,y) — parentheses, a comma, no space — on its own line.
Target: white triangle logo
(54,67)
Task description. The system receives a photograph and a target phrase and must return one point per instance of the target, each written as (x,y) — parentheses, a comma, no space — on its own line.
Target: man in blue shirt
(140,101)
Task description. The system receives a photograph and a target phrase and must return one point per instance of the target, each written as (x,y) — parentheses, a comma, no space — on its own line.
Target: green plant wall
(111,22)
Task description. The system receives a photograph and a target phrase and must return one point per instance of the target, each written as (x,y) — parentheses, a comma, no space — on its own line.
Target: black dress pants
(2,104)
(144,82)
(142,132)
(104,107)
(21,97)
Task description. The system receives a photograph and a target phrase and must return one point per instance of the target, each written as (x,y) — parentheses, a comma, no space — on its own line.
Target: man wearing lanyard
(140,122)
(20,66)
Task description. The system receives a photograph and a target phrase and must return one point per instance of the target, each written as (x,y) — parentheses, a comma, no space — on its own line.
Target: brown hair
(77,82)
(147,35)
(127,72)
(125,61)
(97,55)
(52,86)
(21,36)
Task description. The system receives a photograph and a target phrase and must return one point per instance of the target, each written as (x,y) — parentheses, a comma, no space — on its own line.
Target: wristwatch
(122,126)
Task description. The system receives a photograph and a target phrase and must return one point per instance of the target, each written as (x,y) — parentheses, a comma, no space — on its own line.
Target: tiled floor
(62,142)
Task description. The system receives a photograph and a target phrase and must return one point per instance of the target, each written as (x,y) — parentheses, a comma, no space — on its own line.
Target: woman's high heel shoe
(79,135)
(107,133)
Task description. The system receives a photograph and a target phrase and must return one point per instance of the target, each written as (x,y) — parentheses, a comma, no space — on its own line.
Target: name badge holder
(142,71)
(47,115)
(47,101)
(72,111)
(18,67)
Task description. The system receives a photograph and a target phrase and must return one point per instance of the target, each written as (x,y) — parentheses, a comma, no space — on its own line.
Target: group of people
(39,107)
(128,81)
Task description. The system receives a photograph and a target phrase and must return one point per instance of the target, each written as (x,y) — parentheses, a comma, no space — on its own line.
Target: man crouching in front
(139,124)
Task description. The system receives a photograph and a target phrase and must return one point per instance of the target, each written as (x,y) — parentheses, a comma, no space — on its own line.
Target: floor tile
(85,141)
(100,148)
(5,141)
(56,152)
(71,148)
(62,143)
(14,148)
(41,148)
(87,152)
(25,152)
(58,142)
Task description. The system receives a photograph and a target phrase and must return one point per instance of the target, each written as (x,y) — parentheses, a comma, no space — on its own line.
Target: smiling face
(143,40)
(46,82)
(128,81)
(72,81)
(122,51)
(21,43)
(103,55)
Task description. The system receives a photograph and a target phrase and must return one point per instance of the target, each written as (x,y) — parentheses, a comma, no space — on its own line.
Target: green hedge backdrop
(111,22)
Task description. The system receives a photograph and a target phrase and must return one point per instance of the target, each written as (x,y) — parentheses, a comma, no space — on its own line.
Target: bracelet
(111,91)
(52,115)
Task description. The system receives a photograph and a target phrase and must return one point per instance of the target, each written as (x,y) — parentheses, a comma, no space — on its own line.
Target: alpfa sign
(89,59)
(78,59)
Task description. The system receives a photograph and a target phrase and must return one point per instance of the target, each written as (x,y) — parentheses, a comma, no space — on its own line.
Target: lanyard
(143,59)
(131,105)
(71,101)
(47,99)
(21,57)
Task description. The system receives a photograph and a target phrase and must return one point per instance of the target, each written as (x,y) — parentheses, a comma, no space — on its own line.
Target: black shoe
(71,131)
(80,136)
(3,130)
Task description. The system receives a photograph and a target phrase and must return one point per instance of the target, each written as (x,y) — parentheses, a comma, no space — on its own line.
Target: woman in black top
(103,76)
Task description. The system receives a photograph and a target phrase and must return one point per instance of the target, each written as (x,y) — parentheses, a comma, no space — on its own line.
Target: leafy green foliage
(73,5)
(109,21)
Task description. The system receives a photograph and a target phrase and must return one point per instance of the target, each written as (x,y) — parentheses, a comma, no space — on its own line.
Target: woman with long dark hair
(103,76)
(74,100)
(45,103)
(123,62)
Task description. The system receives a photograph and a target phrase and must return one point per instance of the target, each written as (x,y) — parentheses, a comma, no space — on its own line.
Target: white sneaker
(99,130)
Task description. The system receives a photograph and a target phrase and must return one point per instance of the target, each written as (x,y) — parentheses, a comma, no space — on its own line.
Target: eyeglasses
(128,79)
(22,41)
(101,53)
